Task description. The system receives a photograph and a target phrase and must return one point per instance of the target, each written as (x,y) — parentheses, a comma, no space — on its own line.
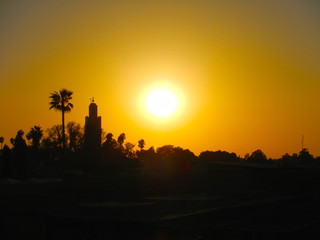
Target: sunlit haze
(231,75)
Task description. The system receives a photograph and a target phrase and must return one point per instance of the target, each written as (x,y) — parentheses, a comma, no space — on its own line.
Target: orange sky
(248,70)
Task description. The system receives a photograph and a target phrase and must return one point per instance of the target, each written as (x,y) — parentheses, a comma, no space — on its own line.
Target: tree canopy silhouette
(110,142)
(257,156)
(76,136)
(121,139)
(60,101)
(218,156)
(141,144)
(35,134)
(174,159)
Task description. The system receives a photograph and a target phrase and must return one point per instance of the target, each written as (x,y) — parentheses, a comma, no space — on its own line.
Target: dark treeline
(258,157)
(42,153)
(71,147)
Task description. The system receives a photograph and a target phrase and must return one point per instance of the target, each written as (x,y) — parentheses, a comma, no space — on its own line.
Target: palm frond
(60,100)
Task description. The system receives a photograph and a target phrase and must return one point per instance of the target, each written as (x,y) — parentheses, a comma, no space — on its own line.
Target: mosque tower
(92,128)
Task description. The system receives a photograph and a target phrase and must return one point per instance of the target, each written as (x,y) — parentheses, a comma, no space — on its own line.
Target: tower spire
(93,127)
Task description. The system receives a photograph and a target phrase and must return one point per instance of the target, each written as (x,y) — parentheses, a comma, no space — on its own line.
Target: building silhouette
(92,128)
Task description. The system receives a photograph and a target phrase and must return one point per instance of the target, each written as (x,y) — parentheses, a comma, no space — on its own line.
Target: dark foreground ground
(55,209)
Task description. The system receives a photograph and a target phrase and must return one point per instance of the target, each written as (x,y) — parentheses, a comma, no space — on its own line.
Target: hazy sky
(248,71)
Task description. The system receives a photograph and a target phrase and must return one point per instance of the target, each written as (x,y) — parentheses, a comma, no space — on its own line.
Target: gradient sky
(248,71)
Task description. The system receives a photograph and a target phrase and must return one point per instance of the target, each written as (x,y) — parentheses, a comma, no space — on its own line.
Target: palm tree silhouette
(60,101)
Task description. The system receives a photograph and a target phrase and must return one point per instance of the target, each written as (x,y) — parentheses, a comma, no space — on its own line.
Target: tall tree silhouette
(35,134)
(110,142)
(121,139)
(129,150)
(76,135)
(21,156)
(53,137)
(60,101)
(141,144)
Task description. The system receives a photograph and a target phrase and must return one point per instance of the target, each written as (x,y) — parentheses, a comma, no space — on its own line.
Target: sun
(162,102)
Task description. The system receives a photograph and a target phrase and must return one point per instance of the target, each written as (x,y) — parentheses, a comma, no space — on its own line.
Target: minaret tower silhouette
(92,131)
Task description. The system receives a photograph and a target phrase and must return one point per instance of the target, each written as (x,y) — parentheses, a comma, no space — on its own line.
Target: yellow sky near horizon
(248,71)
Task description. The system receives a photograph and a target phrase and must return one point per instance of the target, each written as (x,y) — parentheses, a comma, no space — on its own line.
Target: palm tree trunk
(63,134)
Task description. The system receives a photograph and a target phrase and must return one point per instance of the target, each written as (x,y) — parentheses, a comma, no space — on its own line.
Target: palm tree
(60,101)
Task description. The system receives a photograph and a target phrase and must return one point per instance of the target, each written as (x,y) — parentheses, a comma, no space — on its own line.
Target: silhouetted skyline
(247,71)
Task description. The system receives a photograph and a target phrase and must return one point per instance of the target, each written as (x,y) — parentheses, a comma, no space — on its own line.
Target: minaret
(92,131)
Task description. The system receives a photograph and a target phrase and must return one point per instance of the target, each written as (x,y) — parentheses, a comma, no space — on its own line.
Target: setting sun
(161,102)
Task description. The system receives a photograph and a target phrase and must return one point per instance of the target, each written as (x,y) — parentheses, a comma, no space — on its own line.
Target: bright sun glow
(162,102)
